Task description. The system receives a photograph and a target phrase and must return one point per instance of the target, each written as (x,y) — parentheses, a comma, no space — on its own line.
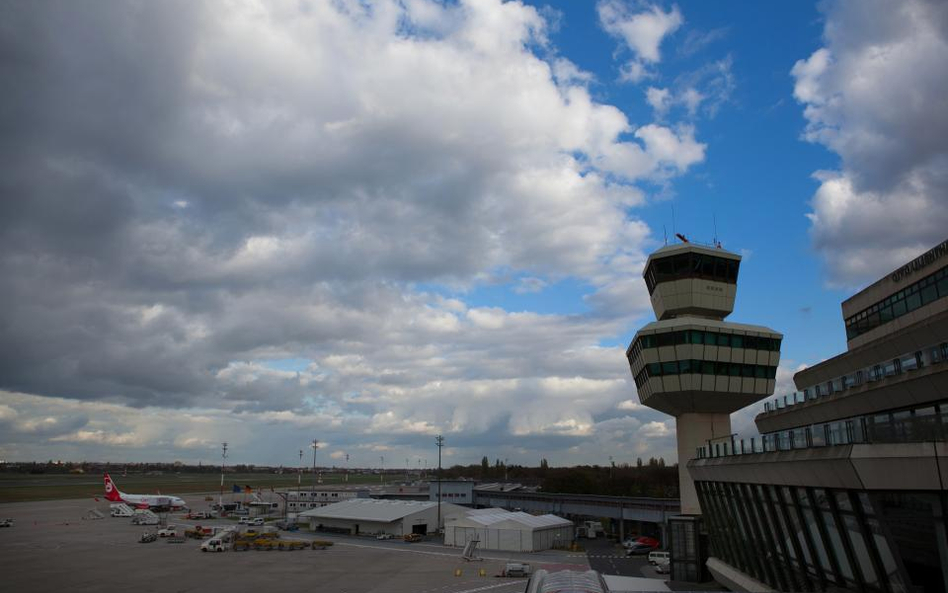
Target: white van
(215,544)
(657,556)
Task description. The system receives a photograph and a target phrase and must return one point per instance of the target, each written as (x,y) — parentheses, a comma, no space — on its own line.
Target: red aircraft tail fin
(111,490)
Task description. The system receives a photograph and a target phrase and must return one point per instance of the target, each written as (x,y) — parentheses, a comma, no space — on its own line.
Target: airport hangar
(499,529)
(369,515)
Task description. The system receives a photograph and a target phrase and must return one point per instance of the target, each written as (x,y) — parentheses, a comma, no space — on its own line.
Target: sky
(370,223)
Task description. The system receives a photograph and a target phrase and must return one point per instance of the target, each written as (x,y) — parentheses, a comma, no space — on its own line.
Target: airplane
(141,501)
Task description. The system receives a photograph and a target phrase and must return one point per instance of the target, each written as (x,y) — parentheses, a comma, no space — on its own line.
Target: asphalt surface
(608,557)
(50,548)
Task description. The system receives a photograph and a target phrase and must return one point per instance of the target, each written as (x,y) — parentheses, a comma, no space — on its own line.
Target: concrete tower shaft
(691,363)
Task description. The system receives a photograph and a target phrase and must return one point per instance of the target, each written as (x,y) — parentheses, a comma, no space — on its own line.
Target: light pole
(439,440)
(347,468)
(505,470)
(382,469)
(299,477)
(220,501)
(315,446)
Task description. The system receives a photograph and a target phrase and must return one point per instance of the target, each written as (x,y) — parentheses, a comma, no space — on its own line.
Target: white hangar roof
(502,518)
(370,509)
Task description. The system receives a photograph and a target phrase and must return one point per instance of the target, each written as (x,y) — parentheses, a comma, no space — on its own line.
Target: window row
(910,361)
(705,338)
(807,539)
(918,294)
(704,367)
(691,265)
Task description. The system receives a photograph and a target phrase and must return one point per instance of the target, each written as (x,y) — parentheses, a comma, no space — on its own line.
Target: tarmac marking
(488,587)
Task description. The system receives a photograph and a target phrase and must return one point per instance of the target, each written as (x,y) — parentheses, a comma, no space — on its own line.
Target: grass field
(26,487)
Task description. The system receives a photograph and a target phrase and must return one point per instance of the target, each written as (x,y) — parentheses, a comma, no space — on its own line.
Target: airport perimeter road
(51,549)
(608,557)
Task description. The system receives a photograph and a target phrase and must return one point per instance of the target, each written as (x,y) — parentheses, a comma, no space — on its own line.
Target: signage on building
(920,262)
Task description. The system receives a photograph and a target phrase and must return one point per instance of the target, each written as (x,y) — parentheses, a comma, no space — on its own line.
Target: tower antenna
(674,226)
(665,233)
(714,219)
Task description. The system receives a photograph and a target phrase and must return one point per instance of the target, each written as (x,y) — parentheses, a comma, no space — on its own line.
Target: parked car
(169,531)
(413,537)
(658,556)
(637,548)
(663,567)
(384,536)
(147,538)
(517,569)
(243,521)
(256,521)
(6,522)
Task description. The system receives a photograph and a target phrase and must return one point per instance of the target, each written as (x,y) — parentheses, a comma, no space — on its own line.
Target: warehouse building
(370,516)
(499,529)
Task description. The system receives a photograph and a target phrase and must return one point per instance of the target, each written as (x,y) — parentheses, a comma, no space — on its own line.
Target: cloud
(530,285)
(640,32)
(871,95)
(196,192)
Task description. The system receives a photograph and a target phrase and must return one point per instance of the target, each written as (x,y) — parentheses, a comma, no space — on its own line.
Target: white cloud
(344,228)
(641,32)
(873,95)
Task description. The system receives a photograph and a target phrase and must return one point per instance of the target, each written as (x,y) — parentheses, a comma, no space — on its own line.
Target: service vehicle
(517,569)
(243,521)
(215,544)
(292,544)
(199,532)
(286,526)
(169,531)
(413,537)
(147,538)
(256,521)
(637,548)
(198,515)
(6,522)
(384,536)
(146,518)
(663,567)
(658,556)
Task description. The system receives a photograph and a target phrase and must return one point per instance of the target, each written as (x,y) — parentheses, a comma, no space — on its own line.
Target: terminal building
(845,490)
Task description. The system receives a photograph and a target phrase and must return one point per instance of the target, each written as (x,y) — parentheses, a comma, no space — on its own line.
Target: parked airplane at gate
(141,501)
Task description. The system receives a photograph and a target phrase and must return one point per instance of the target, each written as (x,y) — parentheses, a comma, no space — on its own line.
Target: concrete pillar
(693,431)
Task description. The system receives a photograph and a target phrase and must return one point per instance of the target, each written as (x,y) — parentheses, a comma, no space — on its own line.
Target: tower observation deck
(692,364)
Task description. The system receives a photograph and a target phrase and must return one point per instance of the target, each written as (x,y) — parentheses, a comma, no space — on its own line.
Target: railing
(875,429)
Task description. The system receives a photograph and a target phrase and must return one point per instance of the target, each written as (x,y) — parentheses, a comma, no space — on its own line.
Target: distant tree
(661,462)
(638,462)
(544,464)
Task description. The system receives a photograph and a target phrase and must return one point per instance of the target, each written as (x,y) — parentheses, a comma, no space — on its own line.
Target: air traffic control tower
(691,363)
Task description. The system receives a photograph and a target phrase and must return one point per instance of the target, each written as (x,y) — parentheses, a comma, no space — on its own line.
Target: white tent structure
(498,529)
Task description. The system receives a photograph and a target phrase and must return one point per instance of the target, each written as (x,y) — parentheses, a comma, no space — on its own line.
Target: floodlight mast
(314,445)
(439,440)
(220,501)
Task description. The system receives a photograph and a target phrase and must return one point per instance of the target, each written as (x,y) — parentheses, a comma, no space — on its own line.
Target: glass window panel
(913,301)
(747,370)
(732,269)
(836,541)
(654,369)
(885,314)
(929,294)
(860,551)
(710,339)
(720,270)
(707,266)
(760,372)
(697,337)
(815,537)
(898,308)
(943,287)
(670,368)
(724,340)
(734,369)
(737,341)
(707,368)
(889,564)
(684,366)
